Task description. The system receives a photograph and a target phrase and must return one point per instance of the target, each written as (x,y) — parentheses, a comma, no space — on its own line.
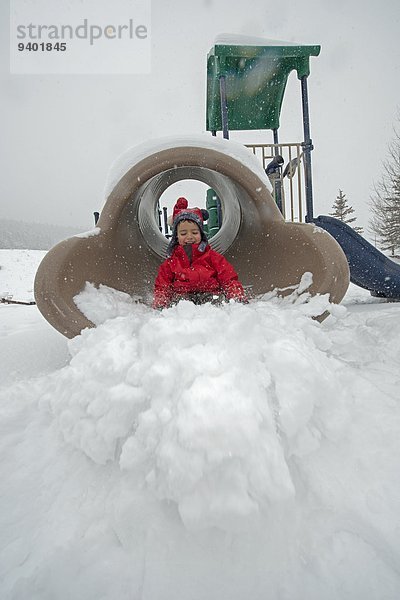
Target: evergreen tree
(385,202)
(342,211)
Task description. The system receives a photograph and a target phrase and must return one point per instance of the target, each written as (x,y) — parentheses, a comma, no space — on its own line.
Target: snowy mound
(167,397)
(204,452)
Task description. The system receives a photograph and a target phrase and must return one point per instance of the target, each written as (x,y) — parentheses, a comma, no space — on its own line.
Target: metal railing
(287,180)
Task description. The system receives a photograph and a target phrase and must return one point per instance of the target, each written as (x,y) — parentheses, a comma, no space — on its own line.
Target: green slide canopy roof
(256,73)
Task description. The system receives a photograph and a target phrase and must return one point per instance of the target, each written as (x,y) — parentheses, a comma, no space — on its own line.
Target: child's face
(188,233)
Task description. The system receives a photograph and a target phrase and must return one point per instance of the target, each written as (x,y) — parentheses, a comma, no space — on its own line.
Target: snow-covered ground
(242,452)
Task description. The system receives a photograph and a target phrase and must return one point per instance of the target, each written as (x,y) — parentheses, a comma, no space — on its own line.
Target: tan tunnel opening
(232,196)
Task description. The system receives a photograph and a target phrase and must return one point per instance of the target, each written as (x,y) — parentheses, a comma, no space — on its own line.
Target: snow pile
(166,396)
(103,303)
(205,452)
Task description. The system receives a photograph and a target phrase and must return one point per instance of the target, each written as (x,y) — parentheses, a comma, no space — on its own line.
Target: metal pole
(164,210)
(307,147)
(278,180)
(159,216)
(224,106)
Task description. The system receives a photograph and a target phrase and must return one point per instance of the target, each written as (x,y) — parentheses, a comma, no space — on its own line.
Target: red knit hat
(181,206)
(183,213)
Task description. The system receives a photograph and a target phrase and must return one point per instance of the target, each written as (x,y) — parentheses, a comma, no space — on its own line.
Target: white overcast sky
(61,133)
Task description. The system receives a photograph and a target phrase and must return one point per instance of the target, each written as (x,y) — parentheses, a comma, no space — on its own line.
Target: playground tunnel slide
(126,248)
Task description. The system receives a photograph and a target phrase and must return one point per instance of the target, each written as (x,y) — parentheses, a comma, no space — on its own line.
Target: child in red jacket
(193,270)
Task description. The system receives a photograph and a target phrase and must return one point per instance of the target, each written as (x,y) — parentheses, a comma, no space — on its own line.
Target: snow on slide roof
(244,46)
(236,39)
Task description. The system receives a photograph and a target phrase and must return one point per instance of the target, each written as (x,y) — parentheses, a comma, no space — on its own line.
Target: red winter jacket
(207,272)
